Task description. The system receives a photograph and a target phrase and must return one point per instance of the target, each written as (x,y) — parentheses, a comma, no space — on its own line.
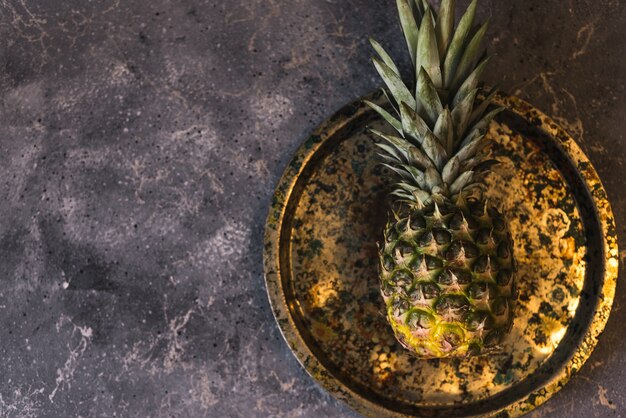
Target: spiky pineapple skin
(447,277)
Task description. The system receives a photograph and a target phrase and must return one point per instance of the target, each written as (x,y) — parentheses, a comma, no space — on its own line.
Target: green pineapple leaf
(466,63)
(426,6)
(433,178)
(428,97)
(480,109)
(455,49)
(461,181)
(444,130)
(416,128)
(387,158)
(462,112)
(395,108)
(412,123)
(409,153)
(472,148)
(484,166)
(484,122)
(419,158)
(427,52)
(451,170)
(419,8)
(407,187)
(395,123)
(470,137)
(391,153)
(470,83)
(404,196)
(409,27)
(445,26)
(395,85)
(418,176)
(472,163)
(384,56)
(403,174)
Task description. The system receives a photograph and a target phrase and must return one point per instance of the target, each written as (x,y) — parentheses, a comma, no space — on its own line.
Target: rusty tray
(321,271)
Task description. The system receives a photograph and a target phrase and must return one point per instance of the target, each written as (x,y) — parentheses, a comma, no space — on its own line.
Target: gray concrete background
(140,142)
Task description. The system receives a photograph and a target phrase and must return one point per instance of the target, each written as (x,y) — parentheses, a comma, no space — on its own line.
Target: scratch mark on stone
(192,146)
(604,401)
(226,245)
(201,390)
(65,374)
(522,86)
(143,354)
(175,347)
(30,28)
(24,402)
(265,21)
(271,112)
(583,36)
(260,168)
(575,128)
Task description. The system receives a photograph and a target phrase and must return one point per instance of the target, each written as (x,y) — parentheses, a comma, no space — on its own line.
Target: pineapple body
(447,278)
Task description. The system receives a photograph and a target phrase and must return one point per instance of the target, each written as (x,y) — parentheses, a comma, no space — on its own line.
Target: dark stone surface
(140,142)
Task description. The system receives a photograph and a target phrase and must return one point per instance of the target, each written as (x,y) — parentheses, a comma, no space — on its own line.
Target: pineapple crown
(438,151)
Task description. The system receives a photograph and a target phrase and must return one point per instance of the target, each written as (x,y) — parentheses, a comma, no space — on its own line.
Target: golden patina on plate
(321,271)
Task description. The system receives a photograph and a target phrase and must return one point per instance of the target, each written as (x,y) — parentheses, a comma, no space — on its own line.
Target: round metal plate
(321,271)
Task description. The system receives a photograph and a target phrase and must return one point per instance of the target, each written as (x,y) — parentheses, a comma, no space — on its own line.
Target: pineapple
(446,263)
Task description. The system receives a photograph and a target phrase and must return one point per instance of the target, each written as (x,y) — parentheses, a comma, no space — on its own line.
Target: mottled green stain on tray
(321,272)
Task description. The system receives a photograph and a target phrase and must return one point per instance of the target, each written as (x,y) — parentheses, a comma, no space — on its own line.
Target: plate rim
(289,329)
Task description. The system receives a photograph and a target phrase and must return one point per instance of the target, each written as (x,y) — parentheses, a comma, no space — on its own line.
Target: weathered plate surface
(321,271)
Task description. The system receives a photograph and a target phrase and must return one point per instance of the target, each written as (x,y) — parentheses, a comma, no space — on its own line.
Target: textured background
(139,145)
